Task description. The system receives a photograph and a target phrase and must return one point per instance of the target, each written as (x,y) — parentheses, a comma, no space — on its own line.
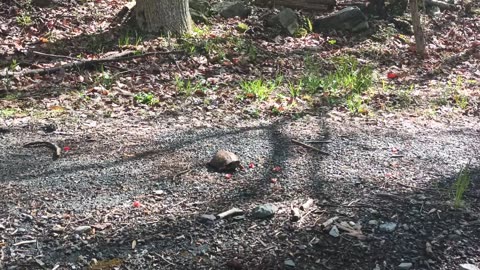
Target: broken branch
(122,56)
(310,147)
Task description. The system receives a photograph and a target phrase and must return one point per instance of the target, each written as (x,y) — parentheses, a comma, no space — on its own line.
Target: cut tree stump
(299,4)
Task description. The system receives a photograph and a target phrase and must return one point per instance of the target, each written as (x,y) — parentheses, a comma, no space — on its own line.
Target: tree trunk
(167,16)
(417,28)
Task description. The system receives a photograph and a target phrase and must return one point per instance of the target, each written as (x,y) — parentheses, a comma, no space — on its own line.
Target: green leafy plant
(146,98)
(188,87)
(259,88)
(242,27)
(127,40)
(452,95)
(24,19)
(295,89)
(104,78)
(461,186)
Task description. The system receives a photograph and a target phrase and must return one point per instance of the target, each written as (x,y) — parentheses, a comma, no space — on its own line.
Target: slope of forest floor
(131,189)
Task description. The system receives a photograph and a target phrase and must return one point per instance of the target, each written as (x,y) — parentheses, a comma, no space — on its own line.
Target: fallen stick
(25,242)
(231,212)
(56,151)
(318,141)
(122,56)
(328,222)
(310,147)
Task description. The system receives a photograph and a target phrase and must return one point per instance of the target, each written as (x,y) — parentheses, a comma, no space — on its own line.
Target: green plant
(356,104)
(126,40)
(452,95)
(242,27)
(461,186)
(146,98)
(8,112)
(105,78)
(24,19)
(295,89)
(259,89)
(348,78)
(188,87)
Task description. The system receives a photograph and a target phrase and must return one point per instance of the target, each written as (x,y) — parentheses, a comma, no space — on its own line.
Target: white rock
(82,229)
(467,266)
(405,265)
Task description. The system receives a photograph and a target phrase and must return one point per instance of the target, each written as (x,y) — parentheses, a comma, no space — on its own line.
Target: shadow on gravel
(399,223)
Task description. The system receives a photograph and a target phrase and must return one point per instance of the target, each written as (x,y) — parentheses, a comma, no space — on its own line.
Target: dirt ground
(131,189)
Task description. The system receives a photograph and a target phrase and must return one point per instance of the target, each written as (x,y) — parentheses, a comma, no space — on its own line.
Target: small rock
(207,218)
(232,9)
(373,222)
(334,231)
(467,266)
(200,250)
(265,210)
(405,227)
(405,265)
(289,263)
(82,229)
(159,192)
(388,227)
(350,18)
(57,228)
(82,260)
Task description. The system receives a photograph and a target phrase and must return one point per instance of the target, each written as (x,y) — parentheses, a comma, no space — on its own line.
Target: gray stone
(373,222)
(82,229)
(388,227)
(467,266)
(229,9)
(405,265)
(287,19)
(334,231)
(350,18)
(207,218)
(201,6)
(265,210)
(289,263)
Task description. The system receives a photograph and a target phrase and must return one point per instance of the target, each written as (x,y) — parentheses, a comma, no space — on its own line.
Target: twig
(165,259)
(25,242)
(55,55)
(122,56)
(318,141)
(310,147)
(182,172)
(231,212)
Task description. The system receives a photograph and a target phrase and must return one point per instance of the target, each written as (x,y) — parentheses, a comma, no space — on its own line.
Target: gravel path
(388,172)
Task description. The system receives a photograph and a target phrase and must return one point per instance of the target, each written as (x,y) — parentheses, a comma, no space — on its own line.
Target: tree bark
(417,28)
(167,16)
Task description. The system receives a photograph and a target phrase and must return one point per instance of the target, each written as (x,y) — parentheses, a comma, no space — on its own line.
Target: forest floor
(131,189)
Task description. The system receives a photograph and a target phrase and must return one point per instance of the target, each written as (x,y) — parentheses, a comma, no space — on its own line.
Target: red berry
(136,204)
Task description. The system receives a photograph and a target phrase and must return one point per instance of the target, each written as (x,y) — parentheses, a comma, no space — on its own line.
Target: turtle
(224,161)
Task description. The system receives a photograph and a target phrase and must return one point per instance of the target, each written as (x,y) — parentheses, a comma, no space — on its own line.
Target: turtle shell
(224,161)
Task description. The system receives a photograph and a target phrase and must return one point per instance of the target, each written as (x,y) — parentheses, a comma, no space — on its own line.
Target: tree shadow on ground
(174,237)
